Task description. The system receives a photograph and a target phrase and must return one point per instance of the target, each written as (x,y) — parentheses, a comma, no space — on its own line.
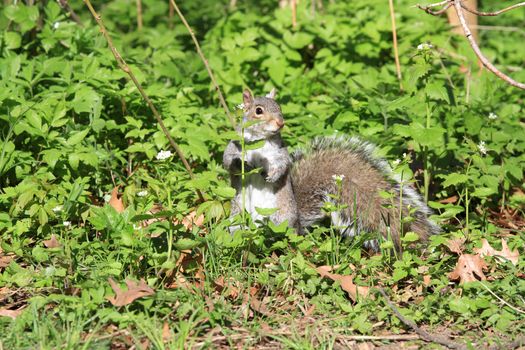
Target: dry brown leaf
(166,332)
(469,269)
(487,250)
(115,201)
(426,280)
(52,242)
(5,259)
(191,220)
(230,285)
(135,290)
(347,283)
(449,200)
(456,245)
(11,313)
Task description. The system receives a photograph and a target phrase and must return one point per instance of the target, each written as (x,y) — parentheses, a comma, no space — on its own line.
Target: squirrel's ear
(247,98)
(272,94)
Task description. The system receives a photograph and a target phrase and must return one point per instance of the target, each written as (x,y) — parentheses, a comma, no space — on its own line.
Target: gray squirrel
(332,169)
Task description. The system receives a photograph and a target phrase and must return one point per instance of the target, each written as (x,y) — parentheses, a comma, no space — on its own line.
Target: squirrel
(339,169)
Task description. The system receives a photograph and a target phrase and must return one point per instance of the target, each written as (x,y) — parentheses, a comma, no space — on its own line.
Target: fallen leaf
(487,250)
(469,269)
(5,259)
(191,220)
(347,283)
(230,285)
(52,242)
(11,313)
(426,280)
(456,245)
(115,201)
(166,332)
(449,200)
(125,297)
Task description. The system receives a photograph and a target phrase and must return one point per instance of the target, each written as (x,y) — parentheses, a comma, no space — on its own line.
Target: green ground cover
(73,127)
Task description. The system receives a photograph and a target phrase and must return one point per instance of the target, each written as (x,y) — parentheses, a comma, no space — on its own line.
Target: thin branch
(477,51)
(123,65)
(294,13)
(394,38)
(205,61)
(437,4)
(503,301)
(65,5)
(480,13)
(170,15)
(434,338)
(139,14)
(432,12)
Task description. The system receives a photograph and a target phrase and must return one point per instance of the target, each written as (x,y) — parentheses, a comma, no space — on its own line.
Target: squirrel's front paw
(273,176)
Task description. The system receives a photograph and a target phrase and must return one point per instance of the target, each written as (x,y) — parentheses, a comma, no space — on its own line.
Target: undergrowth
(72,128)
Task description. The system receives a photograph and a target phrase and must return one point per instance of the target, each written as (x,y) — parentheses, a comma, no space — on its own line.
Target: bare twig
(205,61)
(123,65)
(170,15)
(459,7)
(139,14)
(503,301)
(294,13)
(495,13)
(428,10)
(394,38)
(477,51)
(434,338)
(65,5)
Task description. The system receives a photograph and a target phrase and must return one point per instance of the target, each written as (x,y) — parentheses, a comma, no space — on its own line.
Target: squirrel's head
(263,115)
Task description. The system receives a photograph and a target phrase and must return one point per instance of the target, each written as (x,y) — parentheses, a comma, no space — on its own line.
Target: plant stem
(124,66)
(205,61)
(394,38)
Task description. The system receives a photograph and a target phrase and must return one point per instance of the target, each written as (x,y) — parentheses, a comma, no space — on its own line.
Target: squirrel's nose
(279,123)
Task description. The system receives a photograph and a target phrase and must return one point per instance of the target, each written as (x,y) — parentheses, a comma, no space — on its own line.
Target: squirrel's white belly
(259,194)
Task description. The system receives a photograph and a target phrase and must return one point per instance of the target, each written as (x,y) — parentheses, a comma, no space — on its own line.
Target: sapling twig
(65,5)
(205,61)
(495,13)
(139,14)
(459,8)
(394,38)
(124,66)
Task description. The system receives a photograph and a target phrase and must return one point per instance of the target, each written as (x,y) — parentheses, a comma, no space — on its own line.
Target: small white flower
(136,227)
(57,209)
(493,116)
(338,178)
(107,198)
(405,156)
(396,162)
(56,25)
(142,193)
(67,223)
(163,155)
(482,147)
(240,106)
(424,46)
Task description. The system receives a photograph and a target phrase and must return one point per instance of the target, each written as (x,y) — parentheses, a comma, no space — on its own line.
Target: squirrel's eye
(258,111)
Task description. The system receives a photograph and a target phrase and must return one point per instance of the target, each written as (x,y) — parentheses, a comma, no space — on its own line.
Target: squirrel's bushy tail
(365,176)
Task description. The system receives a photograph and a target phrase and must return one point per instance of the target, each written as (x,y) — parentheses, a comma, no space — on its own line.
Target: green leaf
(12,40)
(482,192)
(459,305)
(225,192)
(454,179)
(399,274)
(297,40)
(77,137)
(265,211)
(186,243)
